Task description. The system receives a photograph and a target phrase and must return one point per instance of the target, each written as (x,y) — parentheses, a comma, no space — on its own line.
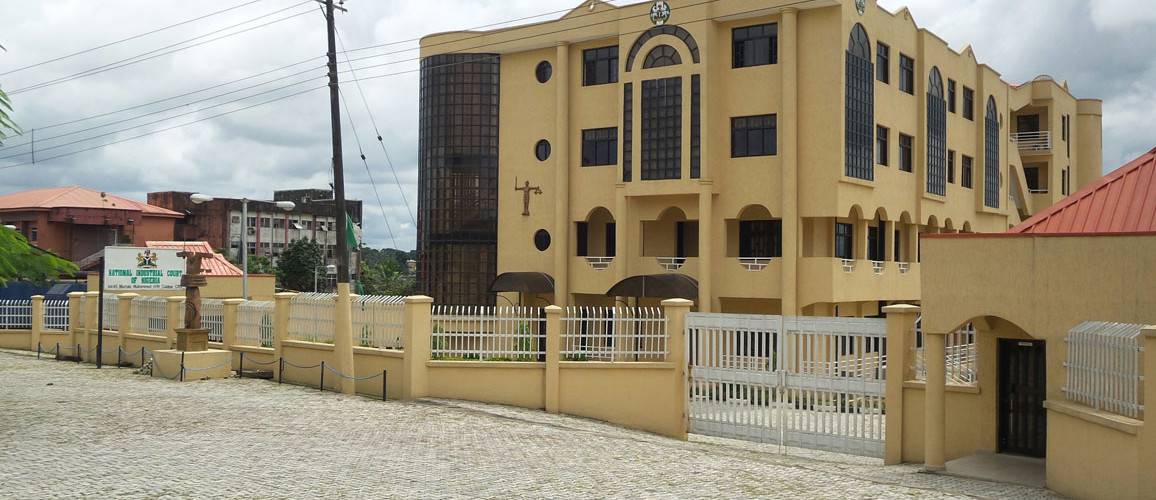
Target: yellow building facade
(786,155)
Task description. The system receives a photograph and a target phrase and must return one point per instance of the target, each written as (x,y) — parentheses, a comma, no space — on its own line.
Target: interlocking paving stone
(109,433)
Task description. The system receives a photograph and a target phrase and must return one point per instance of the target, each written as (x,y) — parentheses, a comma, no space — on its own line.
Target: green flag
(352,233)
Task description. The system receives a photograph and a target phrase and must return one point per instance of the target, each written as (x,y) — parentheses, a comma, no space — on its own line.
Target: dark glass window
(760,238)
(968,103)
(666,29)
(882,140)
(544,71)
(897,242)
(991,168)
(582,237)
(950,167)
(542,150)
(1032,178)
(600,66)
(599,147)
(876,243)
(611,239)
(662,55)
(844,240)
(755,45)
(458,177)
(936,135)
(905,157)
(1028,123)
(859,121)
(662,129)
(950,95)
(906,74)
(965,174)
(883,62)
(542,240)
(754,136)
(695,126)
(628,132)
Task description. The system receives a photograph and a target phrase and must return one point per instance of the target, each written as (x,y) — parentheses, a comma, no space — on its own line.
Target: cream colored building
(784,154)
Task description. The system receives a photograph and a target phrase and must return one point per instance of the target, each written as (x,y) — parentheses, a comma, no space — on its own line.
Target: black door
(1023,424)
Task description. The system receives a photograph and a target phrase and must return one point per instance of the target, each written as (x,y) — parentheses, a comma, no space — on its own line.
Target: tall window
(860,107)
(760,238)
(876,244)
(950,95)
(936,135)
(906,159)
(968,103)
(906,74)
(627,132)
(844,240)
(599,147)
(965,171)
(600,66)
(754,136)
(662,128)
(991,170)
(950,167)
(882,143)
(755,45)
(883,62)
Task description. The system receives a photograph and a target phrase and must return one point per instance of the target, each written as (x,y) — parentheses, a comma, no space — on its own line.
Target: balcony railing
(877,267)
(904,267)
(848,265)
(671,264)
(1033,142)
(599,263)
(754,264)
(1038,191)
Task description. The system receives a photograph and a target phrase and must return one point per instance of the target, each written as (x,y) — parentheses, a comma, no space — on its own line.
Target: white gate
(809,382)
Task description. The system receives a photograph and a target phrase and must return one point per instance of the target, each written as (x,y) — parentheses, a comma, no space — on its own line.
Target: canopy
(657,286)
(523,283)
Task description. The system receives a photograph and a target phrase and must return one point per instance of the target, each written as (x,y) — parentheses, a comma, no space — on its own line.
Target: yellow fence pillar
(417,326)
(229,323)
(92,310)
(900,342)
(706,242)
(76,317)
(281,304)
(124,317)
(934,407)
(553,356)
(173,308)
(343,339)
(37,321)
(676,311)
(1148,432)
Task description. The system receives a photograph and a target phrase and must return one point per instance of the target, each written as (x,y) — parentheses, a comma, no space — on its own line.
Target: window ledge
(963,389)
(1094,416)
(934,197)
(857,181)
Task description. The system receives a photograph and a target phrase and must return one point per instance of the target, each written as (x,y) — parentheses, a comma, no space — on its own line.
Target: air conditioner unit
(252,230)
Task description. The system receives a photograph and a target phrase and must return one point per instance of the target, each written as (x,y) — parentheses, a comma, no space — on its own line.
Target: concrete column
(553,356)
(124,316)
(912,247)
(229,323)
(561,176)
(888,230)
(860,232)
(175,306)
(76,315)
(900,343)
(621,233)
(343,339)
(676,311)
(1147,433)
(934,407)
(37,321)
(92,310)
(789,156)
(705,244)
(281,304)
(417,326)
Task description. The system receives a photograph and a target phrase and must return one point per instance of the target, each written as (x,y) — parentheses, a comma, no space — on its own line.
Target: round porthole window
(544,71)
(542,150)
(542,240)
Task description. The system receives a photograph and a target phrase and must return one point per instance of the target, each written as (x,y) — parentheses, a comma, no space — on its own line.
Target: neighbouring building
(784,155)
(76,222)
(269,228)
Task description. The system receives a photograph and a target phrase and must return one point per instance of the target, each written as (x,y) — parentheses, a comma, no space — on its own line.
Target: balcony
(593,275)
(756,278)
(599,263)
(1033,143)
(670,264)
(826,279)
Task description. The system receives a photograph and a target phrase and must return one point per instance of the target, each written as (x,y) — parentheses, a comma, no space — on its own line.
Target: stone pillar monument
(193,337)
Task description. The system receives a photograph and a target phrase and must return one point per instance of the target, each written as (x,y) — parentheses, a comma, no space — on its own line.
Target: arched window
(936,135)
(991,170)
(860,107)
(662,55)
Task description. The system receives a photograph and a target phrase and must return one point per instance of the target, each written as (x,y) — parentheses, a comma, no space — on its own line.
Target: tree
(257,265)
(386,278)
(6,123)
(21,261)
(297,264)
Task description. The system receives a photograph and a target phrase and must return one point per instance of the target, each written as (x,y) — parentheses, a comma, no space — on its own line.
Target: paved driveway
(70,430)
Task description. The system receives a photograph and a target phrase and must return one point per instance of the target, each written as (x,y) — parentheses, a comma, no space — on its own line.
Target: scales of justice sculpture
(193,337)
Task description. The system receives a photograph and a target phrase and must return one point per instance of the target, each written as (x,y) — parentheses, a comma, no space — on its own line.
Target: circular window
(544,71)
(542,150)
(542,240)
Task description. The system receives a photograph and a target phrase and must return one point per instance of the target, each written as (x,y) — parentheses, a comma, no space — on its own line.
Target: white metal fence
(614,334)
(1105,367)
(111,313)
(377,321)
(255,324)
(15,314)
(149,315)
(56,315)
(213,318)
(311,318)
(488,333)
(959,353)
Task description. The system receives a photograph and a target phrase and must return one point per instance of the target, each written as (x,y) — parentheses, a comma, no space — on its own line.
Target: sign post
(134,269)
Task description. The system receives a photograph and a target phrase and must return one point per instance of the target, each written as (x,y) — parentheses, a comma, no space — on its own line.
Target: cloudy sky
(1102,47)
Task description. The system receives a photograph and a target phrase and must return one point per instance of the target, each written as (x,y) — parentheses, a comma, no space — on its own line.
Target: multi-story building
(270,229)
(786,155)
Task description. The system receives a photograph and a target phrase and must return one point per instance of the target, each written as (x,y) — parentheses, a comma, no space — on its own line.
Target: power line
(134,37)
(163,51)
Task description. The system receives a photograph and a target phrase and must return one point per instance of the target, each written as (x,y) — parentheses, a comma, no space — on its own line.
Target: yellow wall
(634,395)
(514,384)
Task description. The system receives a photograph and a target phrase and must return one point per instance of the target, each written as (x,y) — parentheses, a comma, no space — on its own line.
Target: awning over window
(531,282)
(657,286)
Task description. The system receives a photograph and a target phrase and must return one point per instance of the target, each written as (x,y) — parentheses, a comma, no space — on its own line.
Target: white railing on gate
(56,315)
(1104,367)
(149,315)
(377,321)
(111,313)
(213,318)
(15,314)
(255,324)
(959,355)
(592,333)
(482,333)
(311,318)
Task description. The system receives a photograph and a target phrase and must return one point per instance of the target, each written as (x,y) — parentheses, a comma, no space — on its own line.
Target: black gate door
(1023,424)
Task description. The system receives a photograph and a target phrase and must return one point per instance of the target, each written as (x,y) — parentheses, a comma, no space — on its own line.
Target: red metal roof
(77,197)
(1123,201)
(216,266)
